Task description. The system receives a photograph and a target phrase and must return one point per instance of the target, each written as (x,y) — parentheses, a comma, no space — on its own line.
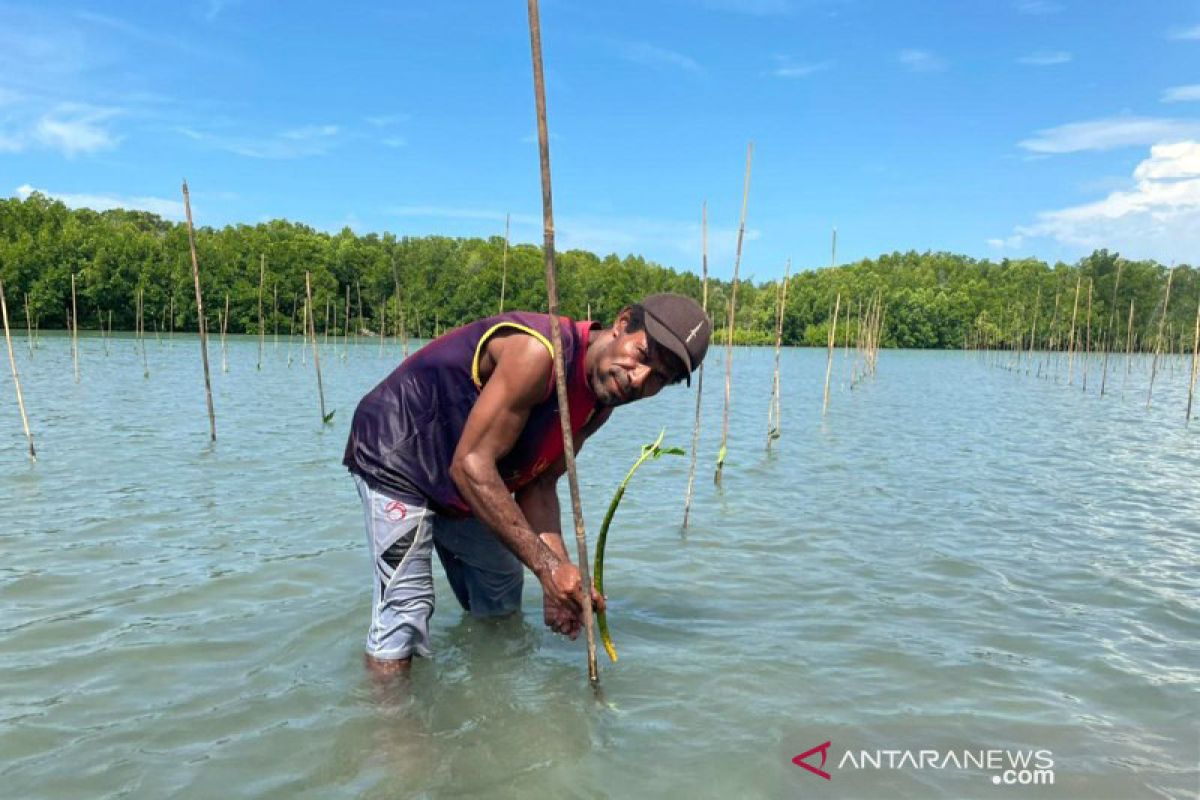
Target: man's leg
(486,578)
(400,538)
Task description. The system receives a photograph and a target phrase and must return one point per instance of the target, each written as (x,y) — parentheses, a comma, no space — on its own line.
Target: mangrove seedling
(649,452)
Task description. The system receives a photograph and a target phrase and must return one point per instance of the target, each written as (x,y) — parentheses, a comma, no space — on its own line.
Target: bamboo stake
(1071,336)
(312,332)
(346,335)
(1112,312)
(1037,307)
(504,266)
(262,277)
(1087,353)
(1128,345)
(837,306)
(12,362)
(359,321)
(28,326)
(304,320)
(291,332)
(737,261)
(171,332)
(224,322)
(327,301)
(535,39)
(200,321)
(1195,365)
(774,422)
(74,329)
(382,323)
(687,501)
(142,331)
(1158,341)
(275,312)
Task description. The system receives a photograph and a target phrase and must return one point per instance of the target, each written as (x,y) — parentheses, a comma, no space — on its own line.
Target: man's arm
(517,384)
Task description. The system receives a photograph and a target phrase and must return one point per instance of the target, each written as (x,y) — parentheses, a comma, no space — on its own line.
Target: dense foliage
(932,299)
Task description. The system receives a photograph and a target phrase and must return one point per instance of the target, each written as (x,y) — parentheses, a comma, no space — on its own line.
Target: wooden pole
(200,321)
(1158,341)
(291,332)
(12,362)
(142,330)
(504,265)
(837,307)
(74,329)
(1112,313)
(28,326)
(1071,336)
(275,313)
(1087,351)
(262,278)
(539,88)
(312,331)
(1195,364)
(737,261)
(774,422)
(1128,345)
(1037,307)
(346,335)
(224,320)
(687,501)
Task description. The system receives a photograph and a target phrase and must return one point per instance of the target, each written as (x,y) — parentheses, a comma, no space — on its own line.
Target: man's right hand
(562,594)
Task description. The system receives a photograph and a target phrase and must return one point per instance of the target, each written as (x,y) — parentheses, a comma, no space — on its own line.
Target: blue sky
(998,128)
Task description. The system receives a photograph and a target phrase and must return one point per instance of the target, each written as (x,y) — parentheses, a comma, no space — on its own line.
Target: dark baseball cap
(680,325)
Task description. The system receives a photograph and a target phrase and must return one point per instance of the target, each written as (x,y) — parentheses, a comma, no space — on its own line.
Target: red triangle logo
(823,749)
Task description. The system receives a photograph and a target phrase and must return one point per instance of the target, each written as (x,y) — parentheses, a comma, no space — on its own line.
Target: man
(459,450)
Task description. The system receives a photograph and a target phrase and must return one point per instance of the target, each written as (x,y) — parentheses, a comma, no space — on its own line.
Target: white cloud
(1192,33)
(69,128)
(393,141)
(1110,133)
(385,120)
(169,209)
(1158,218)
(309,140)
(1038,7)
(921,61)
(655,56)
(1045,58)
(786,68)
(1181,94)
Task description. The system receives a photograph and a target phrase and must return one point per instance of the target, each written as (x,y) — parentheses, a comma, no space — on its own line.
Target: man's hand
(562,598)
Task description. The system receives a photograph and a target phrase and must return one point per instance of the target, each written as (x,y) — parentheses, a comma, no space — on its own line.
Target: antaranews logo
(1008,767)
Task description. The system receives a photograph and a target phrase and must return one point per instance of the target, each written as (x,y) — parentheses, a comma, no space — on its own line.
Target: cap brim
(662,335)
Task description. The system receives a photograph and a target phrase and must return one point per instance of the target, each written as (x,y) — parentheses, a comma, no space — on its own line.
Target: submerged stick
(649,451)
(837,306)
(687,500)
(12,362)
(560,380)
(737,261)
(200,321)
(312,331)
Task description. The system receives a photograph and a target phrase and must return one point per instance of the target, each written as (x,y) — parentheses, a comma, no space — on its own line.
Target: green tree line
(932,299)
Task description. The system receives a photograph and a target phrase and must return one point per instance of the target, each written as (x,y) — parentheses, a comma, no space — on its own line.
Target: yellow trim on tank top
(488,334)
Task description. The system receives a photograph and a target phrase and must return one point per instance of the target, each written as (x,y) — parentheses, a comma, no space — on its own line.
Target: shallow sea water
(958,556)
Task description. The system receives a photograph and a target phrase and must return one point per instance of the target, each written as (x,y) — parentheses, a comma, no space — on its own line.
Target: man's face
(632,367)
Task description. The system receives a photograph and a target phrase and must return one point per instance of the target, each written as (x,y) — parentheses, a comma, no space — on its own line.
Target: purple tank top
(406,429)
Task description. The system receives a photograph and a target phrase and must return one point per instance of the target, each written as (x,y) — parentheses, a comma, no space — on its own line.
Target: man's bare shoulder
(524,362)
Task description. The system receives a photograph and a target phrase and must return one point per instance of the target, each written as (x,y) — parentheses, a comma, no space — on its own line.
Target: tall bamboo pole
(74,329)
(774,421)
(28,326)
(1195,364)
(539,88)
(1071,336)
(262,278)
(142,330)
(346,335)
(737,261)
(291,332)
(837,307)
(224,321)
(1037,307)
(1112,313)
(1158,341)
(687,502)
(1128,345)
(200,321)
(275,314)
(312,332)
(12,362)
(1087,352)
(359,320)
(504,264)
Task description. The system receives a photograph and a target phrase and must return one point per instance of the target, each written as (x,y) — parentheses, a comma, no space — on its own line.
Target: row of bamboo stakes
(1078,344)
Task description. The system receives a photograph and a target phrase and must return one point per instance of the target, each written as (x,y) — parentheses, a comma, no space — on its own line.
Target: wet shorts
(402,533)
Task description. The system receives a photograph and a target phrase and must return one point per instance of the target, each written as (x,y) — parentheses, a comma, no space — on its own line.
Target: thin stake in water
(1158,341)
(312,332)
(687,501)
(837,305)
(737,261)
(12,362)
(774,423)
(200,321)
